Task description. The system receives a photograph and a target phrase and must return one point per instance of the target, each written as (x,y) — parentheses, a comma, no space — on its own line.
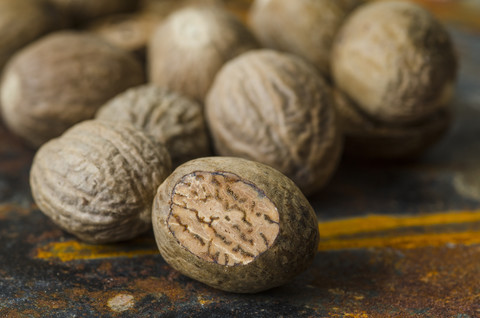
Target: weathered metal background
(398,239)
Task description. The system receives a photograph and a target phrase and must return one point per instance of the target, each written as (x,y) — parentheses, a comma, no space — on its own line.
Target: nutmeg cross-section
(221,218)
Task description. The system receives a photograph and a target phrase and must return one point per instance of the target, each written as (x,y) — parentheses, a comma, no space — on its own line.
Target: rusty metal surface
(398,240)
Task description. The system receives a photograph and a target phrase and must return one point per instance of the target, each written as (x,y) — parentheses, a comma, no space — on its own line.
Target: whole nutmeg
(130,32)
(234,224)
(61,80)
(368,138)
(192,44)
(97,181)
(21,22)
(82,10)
(304,27)
(274,108)
(172,119)
(395,61)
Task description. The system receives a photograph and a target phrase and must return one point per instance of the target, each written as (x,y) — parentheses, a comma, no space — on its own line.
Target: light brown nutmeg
(274,108)
(395,61)
(80,11)
(97,181)
(234,224)
(130,32)
(192,44)
(21,22)
(171,118)
(304,27)
(61,80)
(368,138)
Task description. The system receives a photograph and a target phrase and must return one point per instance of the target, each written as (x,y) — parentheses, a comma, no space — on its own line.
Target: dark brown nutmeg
(97,181)
(304,27)
(274,108)
(170,118)
(395,61)
(234,224)
(367,138)
(192,44)
(61,80)
(80,11)
(21,22)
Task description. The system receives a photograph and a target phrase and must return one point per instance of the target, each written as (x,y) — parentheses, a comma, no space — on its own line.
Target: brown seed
(192,44)
(395,61)
(303,27)
(368,138)
(130,32)
(170,118)
(21,22)
(273,108)
(97,181)
(61,80)
(234,224)
(82,10)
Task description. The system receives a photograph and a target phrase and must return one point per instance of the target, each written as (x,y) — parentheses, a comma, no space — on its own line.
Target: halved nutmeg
(234,224)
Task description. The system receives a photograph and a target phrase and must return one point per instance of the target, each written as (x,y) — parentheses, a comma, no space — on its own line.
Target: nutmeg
(234,224)
(97,181)
(304,27)
(21,22)
(395,61)
(192,44)
(79,11)
(171,118)
(274,108)
(61,80)
(369,138)
(130,32)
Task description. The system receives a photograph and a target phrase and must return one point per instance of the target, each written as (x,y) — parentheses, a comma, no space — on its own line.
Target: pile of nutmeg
(252,117)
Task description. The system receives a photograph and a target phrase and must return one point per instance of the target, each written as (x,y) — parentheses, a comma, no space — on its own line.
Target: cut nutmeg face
(234,224)
(221,218)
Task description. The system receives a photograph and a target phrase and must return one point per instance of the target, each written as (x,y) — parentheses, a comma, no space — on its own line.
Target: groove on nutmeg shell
(234,224)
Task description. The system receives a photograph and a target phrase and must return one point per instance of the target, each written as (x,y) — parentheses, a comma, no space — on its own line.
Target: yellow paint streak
(402,242)
(74,250)
(377,223)
(332,234)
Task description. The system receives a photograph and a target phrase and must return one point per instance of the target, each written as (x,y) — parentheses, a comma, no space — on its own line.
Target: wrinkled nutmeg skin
(234,224)
(82,10)
(273,108)
(304,27)
(172,119)
(192,44)
(61,80)
(395,61)
(21,22)
(97,181)
(368,138)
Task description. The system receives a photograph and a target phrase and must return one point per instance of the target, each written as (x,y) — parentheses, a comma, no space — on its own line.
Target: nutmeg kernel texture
(234,224)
